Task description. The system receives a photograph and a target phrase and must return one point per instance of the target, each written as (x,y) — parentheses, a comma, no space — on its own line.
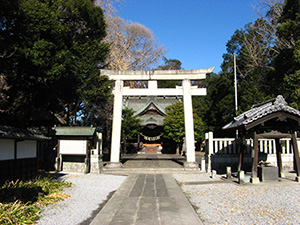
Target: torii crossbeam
(186,90)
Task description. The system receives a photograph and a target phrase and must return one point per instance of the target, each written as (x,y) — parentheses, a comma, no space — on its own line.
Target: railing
(226,147)
(229,146)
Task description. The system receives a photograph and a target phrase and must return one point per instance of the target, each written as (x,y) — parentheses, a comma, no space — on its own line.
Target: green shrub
(21,201)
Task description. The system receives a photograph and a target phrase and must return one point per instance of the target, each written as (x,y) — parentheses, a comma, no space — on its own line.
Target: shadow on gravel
(96,211)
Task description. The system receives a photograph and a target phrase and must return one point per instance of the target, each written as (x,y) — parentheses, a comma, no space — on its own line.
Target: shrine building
(151,112)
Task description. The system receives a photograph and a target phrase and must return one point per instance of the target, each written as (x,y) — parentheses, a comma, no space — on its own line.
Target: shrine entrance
(186,90)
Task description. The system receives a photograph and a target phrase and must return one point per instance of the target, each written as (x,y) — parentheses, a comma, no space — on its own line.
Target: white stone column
(116,126)
(97,157)
(189,126)
(210,149)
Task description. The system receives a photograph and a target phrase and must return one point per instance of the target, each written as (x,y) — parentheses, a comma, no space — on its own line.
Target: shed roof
(74,131)
(258,111)
(22,133)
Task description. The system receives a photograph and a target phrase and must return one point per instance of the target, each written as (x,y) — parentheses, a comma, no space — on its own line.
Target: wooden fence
(18,169)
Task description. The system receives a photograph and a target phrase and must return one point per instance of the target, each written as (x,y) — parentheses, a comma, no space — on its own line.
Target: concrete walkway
(148,199)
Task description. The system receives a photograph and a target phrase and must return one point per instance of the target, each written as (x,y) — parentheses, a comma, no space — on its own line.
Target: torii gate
(152,77)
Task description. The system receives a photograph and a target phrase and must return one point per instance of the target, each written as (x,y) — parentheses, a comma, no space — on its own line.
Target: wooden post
(279,157)
(296,155)
(254,178)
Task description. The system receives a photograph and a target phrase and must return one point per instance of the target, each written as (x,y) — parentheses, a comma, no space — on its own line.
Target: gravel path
(229,203)
(87,194)
(216,201)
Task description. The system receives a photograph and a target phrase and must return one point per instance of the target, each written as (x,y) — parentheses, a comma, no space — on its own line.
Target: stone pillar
(116,126)
(241,177)
(96,158)
(228,172)
(209,148)
(189,126)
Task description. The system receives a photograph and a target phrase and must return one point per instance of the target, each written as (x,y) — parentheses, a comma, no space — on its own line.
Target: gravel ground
(87,194)
(216,201)
(230,203)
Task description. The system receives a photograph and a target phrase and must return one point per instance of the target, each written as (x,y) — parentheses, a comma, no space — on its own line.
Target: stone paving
(148,199)
(154,197)
(153,161)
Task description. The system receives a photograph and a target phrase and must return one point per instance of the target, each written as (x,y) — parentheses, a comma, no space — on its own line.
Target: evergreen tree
(169,64)
(52,59)
(287,63)
(174,127)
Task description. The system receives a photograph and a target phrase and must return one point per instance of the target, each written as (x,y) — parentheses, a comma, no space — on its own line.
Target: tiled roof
(258,111)
(22,133)
(74,131)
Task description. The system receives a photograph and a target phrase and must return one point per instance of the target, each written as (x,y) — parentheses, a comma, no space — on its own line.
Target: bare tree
(108,6)
(132,45)
(260,40)
(270,12)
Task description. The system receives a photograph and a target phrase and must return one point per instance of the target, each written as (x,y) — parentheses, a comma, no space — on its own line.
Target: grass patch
(21,202)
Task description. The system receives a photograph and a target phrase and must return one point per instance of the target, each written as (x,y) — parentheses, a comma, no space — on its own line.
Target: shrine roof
(261,110)
(74,131)
(22,133)
(139,105)
(148,106)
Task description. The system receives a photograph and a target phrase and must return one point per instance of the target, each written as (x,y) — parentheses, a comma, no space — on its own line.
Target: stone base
(96,164)
(267,173)
(114,165)
(191,166)
(254,180)
(297,179)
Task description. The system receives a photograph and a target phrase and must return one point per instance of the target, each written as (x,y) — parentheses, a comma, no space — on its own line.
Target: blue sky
(193,31)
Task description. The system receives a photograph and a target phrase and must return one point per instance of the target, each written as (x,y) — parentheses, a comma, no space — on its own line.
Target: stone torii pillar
(186,90)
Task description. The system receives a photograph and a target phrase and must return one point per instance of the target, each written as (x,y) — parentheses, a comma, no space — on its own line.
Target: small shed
(273,119)
(79,149)
(19,151)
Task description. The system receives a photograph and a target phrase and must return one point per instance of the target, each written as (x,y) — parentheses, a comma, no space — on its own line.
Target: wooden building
(19,152)
(151,111)
(273,119)
(79,149)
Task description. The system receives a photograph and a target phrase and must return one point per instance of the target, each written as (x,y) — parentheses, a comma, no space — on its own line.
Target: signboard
(72,147)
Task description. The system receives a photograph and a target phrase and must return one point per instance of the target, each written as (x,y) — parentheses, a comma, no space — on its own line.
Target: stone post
(210,149)
(96,158)
(228,172)
(116,126)
(189,126)
(241,177)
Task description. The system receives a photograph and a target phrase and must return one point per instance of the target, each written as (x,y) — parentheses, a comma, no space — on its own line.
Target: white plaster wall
(26,149)
(6,149)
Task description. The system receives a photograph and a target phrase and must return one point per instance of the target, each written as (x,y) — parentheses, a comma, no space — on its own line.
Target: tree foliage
(174,127)
(50,54)
(169,64)
(131,125)
(287,62)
